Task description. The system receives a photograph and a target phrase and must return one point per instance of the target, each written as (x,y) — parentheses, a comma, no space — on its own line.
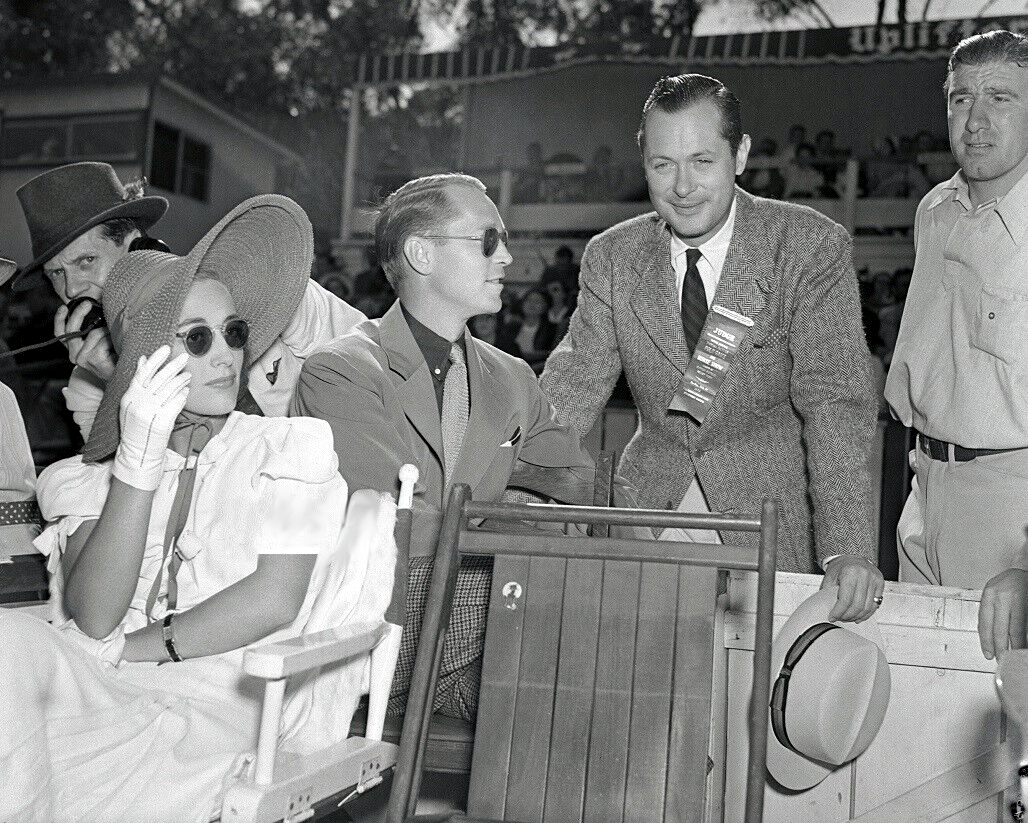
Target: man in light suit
(794,416)
(386,390)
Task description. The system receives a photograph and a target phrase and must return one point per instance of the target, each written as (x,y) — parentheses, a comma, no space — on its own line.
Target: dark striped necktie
(694,300)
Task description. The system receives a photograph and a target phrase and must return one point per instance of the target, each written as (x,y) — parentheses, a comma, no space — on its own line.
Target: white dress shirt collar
(714,252)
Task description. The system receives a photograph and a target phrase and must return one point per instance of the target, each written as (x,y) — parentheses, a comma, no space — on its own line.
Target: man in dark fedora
(82,220)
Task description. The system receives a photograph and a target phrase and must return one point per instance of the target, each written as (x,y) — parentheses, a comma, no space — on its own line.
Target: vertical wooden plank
(651,694)
(608,747)
(572,705)
(533,716)
(490,762)
(715,806)
(690,700)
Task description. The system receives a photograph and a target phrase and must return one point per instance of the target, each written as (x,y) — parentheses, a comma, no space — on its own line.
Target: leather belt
(939,449)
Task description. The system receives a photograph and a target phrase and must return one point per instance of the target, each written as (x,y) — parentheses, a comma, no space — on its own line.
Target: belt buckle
(935,449)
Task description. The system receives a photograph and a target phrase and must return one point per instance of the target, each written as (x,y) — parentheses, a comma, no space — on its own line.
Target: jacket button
(992,315)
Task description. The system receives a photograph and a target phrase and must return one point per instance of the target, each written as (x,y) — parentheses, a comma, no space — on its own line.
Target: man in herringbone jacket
(795,415)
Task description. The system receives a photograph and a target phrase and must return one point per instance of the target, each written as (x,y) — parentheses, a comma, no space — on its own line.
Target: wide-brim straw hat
(262,251)
(838,693)
(7,268)
(63,203)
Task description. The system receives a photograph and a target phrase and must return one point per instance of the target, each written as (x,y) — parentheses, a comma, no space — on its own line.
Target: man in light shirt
(794,416)
(82,220)
(960,366)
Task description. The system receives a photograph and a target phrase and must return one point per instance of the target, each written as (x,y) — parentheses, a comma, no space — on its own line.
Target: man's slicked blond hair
(420,206)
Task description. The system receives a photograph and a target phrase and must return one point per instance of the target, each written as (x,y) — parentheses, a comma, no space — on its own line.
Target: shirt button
(992,315)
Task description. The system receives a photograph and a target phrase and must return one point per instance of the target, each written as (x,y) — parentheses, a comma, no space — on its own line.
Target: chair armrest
(275,661)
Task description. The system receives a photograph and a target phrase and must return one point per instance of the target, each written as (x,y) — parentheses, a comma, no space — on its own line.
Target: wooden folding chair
(597,676)
(305,787)
(450,740)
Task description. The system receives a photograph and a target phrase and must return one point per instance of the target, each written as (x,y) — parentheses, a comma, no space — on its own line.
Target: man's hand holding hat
(861,587)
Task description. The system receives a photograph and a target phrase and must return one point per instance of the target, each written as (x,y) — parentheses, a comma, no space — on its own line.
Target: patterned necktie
(694,300)
(455,408)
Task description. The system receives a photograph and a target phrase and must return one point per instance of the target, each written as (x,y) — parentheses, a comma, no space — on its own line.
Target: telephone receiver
(94,318)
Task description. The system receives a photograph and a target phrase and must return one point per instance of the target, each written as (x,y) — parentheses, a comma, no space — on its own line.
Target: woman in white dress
(185,532)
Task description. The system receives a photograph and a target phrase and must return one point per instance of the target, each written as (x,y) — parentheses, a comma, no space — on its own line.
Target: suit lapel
(413,382)
(655,301)
(746,276)
(490,413)
(747,280)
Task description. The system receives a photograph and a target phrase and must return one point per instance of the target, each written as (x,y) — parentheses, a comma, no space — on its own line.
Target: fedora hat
(830,692)
(7,268)
(63,203)
(262,251)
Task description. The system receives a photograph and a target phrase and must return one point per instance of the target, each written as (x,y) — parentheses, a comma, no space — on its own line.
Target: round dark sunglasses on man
(490,239)
(198,339)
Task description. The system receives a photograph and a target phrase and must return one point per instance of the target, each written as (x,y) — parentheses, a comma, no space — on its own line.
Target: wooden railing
(860,215)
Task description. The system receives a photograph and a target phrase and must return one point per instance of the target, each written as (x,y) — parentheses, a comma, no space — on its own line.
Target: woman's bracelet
(169,638)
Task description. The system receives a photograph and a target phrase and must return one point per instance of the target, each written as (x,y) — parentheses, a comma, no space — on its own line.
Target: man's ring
(878,600)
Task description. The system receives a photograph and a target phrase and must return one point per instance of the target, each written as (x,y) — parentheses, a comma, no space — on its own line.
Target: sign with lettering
(920,39)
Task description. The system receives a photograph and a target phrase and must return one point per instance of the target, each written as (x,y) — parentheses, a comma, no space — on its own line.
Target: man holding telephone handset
(82,220)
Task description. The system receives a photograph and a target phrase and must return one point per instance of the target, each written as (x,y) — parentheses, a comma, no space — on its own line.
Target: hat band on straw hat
(780,689)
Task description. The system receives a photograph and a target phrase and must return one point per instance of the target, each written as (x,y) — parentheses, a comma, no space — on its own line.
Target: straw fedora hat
(262,251)
(830,693)
(63,203)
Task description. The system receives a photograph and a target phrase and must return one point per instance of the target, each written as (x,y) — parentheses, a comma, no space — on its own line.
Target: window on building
(178,163)
(51,141)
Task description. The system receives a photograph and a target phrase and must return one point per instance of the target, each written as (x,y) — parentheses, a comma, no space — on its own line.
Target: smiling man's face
(691,169)
(987,109)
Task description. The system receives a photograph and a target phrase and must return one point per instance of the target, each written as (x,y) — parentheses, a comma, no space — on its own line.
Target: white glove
(149,407)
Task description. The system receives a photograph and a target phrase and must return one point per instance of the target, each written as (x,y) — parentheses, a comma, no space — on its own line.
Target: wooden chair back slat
(541,601)
(498,693)
(576,680)
(691,697)
(651,694)
(612,694)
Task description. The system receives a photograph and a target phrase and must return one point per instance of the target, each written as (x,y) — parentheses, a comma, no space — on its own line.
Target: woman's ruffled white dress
(84,740)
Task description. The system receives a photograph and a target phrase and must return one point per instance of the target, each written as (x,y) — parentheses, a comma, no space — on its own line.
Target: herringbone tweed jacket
(795,416)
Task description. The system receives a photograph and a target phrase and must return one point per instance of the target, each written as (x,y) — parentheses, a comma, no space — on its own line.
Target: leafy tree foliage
(285,55)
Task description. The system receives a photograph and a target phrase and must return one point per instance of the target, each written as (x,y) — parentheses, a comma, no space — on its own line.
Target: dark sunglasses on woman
(198,339)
